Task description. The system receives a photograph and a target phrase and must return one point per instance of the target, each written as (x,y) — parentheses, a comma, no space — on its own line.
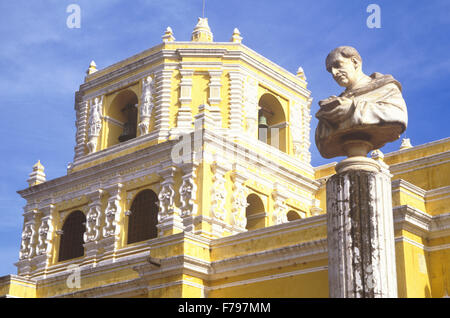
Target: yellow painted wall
(301,280)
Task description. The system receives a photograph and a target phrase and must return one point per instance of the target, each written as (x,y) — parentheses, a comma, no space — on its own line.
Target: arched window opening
(71,243)
(293,215)
(255,212)
(272,122)
(129,127)
(121,118)
(143,219)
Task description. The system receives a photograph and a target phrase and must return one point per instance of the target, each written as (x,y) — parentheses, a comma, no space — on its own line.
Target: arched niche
(255,212)
(121,118)
(71,240)
(272,122)
(143,220)
(293,215)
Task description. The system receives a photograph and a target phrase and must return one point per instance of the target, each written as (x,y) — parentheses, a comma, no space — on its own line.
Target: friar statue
(368,114)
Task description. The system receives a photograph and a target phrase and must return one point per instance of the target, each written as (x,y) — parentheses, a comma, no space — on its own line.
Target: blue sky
(43,62)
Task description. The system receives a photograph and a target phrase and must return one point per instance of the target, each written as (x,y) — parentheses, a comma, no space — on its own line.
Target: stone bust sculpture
(368,114)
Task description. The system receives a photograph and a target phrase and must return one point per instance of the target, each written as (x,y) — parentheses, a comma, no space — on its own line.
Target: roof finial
(203,9)
(406,143)
(301,73)
(236,37)
(168,35)
(202,32)
(92,68)
(37,176)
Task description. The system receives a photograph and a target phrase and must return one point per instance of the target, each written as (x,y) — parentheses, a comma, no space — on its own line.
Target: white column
(361,250)
(306,128)
(214,88)
(236,99)
(184,117)
(162,103)
(296,120)
(146,107)
(81,123)
(251,106)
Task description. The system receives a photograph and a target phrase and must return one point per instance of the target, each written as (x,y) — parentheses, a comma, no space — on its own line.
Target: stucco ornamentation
(279,212)
(92,224)
(219,192)
(95,124)
(28,241)
(111,211)
(146,108)
(166,201)
(44,236)
(188,192)
(239,205)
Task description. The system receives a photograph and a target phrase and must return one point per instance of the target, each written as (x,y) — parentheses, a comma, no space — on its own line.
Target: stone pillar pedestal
(361,251)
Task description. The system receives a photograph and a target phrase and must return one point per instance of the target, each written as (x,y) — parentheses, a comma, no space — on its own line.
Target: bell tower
(182,144)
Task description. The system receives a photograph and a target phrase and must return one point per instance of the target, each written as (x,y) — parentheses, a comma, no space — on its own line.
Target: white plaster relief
(239,205)
(45,234)
(280,209)
(188,195)
(251,105)
(28,241)
(93,219)
(166,202)
(112,213)
(95,124)
(219,192)
(146,108)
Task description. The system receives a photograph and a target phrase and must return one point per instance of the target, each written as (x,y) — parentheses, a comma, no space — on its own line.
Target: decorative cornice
(400,183)
(131,287)
(420,163)
(93,174)
(109,73)
(211,50)
(418,147)
(412,219)
(302,252)
(8,279)
(420,223)
(301,224)
(249,156)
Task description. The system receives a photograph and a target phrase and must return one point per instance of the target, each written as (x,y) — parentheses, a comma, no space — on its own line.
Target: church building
(192,177)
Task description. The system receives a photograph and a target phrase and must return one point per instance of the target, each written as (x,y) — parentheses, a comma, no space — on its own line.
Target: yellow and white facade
(241,211)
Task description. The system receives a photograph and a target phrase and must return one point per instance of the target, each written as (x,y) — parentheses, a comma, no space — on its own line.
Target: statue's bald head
(342,51)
